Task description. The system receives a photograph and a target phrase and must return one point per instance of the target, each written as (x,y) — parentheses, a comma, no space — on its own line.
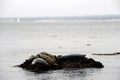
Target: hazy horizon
(58,8)
(86,16)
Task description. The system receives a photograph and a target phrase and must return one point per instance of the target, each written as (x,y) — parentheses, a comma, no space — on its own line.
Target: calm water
(19,40)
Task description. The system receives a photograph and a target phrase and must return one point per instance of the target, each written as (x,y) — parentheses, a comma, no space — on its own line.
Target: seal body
(39,61)
(72,57)
(51,59)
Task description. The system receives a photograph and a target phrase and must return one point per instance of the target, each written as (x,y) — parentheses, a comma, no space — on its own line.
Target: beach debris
(88,44)
(116,53)
(45,61)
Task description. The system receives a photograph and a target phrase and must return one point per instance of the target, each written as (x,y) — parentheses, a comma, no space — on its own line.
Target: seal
(39,61)
(51,59)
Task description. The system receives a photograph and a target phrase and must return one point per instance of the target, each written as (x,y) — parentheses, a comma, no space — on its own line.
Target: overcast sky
(45,8)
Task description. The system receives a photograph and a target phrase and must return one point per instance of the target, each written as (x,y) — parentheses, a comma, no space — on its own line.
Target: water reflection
(64,74)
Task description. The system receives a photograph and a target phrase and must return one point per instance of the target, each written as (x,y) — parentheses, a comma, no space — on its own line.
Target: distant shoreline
(10,20)
(61,19)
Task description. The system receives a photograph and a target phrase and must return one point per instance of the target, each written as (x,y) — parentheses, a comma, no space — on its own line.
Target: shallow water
(19,40)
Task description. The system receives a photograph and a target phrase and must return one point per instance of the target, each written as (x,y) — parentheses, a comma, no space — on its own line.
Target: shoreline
(74,21)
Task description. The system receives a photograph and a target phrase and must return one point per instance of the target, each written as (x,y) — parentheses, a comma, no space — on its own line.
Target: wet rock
(44,61)
(116,53)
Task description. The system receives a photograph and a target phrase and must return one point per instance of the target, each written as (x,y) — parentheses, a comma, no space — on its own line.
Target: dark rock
(116,53)
(59,62)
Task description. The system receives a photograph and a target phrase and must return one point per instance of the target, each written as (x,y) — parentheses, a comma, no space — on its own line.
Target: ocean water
(18,40)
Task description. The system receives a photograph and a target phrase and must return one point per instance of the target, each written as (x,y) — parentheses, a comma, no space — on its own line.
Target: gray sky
(43,8)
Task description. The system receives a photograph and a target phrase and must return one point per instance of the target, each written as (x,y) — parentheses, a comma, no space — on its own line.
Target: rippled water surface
(19,40)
